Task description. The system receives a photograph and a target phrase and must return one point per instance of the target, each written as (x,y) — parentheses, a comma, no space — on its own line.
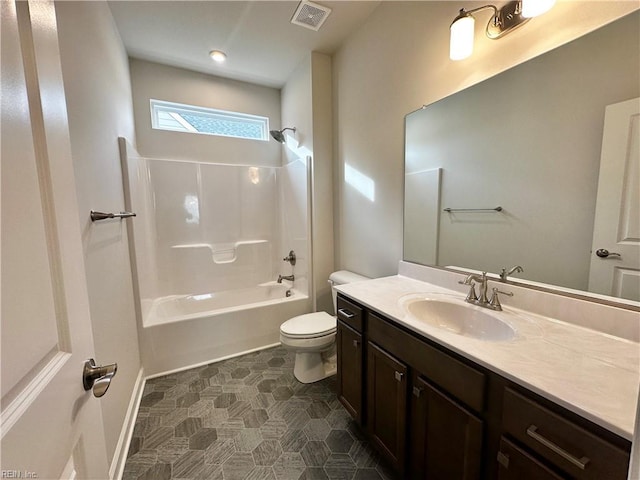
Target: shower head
(278,135)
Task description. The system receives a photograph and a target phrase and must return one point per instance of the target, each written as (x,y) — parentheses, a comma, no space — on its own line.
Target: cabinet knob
(503,459)
(417,391)
(356,343)
(399,376)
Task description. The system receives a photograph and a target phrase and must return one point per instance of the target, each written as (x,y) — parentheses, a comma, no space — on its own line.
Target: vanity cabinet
(350,352)
(434,414)
(387,404)
(516,464)
(558,441)
(443,436)
(446,438)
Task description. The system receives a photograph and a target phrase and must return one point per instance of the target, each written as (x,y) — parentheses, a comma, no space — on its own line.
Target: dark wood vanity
(434,414)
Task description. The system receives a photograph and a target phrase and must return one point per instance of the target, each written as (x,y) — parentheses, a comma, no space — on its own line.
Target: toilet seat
(310,325)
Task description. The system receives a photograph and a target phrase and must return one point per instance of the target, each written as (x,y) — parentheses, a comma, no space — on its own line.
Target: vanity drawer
(462,381)
(350,313)
(561,442)
(516,464)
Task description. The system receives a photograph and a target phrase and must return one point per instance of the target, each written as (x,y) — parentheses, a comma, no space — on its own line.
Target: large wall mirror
(529,141)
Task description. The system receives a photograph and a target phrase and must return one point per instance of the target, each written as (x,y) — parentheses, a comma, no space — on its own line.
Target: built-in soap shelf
(221,252)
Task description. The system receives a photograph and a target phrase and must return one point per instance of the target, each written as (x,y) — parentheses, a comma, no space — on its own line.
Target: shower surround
(207,246)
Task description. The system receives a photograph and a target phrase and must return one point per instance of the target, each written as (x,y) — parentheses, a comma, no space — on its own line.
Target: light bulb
(217,56)
(533,8)
(461,42)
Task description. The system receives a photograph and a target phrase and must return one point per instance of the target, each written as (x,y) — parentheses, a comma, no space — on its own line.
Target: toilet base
(312,367)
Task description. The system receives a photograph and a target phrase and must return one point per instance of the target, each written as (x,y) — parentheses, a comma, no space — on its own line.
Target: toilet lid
(309,325)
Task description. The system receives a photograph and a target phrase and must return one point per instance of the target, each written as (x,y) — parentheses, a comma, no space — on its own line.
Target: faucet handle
(468,280)
(472,297)
(291,258)
(494,303)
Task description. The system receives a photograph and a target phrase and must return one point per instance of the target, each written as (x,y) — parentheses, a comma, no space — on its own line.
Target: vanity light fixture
(218,56)
(504,20)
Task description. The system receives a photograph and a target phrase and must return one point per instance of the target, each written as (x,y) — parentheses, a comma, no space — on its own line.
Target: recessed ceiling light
(218,56)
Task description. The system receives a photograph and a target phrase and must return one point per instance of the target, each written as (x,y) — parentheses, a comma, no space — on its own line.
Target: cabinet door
(349,377)
(516,464)
(446,439)
(387,404)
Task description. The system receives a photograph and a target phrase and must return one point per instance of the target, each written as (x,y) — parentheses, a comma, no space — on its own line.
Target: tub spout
(285,277)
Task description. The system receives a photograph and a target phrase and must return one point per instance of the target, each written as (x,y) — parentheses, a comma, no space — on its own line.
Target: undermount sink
(455,315)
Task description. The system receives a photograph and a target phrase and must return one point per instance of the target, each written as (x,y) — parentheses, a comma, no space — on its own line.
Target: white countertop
(593,374)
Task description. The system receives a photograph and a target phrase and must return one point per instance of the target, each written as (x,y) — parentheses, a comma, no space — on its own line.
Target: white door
(615,256)
(51,428)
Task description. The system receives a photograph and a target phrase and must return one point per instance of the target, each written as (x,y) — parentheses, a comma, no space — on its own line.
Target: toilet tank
(342,277)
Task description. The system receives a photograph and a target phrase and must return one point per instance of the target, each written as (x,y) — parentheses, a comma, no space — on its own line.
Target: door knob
(604,253)
(97,378)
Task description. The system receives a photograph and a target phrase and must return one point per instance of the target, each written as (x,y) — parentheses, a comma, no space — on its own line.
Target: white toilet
(313,336)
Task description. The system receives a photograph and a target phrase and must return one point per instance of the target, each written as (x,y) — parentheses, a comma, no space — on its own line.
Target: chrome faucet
(285,277)
(482,300)
(504,274)
(472,297)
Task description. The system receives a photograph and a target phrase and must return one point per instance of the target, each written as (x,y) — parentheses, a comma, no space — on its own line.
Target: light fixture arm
(503,21)
(466,13)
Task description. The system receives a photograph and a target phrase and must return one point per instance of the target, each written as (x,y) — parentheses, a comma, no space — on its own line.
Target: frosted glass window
(209,121)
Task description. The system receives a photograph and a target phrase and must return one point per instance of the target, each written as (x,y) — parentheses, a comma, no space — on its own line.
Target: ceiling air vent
(310,15)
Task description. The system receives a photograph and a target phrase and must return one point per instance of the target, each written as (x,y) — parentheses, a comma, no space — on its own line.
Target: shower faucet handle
(291,258)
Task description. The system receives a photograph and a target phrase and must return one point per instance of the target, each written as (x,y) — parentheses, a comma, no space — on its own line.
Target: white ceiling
(261,44)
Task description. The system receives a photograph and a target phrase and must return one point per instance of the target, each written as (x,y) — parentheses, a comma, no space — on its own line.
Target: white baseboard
(120,456)
(213,360)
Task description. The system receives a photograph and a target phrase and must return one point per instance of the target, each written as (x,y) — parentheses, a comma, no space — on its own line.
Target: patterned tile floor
(247,418)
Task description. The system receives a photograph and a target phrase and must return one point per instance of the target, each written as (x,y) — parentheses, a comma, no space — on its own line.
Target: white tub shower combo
(207,247)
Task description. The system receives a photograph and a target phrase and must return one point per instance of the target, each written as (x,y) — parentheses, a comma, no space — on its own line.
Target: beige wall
(306,104)
(160,82)
(96,79)
(296,108)
(322,190)
(392,65)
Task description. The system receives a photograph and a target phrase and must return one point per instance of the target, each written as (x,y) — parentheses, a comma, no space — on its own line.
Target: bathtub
(185,331)
(187,241)
(178,308)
